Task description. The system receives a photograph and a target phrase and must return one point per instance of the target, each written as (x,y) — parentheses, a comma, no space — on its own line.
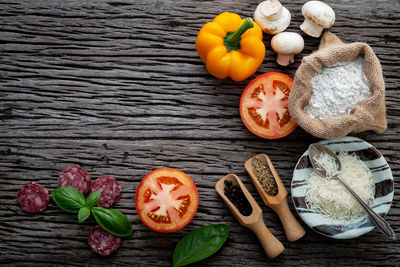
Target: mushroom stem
(265,10)
(286,45)
(311,28)
(276,16)
(272,16)
(285,59)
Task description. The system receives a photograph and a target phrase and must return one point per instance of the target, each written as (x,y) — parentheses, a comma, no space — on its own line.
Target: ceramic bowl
(384,185)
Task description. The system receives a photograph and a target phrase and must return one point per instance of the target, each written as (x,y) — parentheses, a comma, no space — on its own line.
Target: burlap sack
(370,114)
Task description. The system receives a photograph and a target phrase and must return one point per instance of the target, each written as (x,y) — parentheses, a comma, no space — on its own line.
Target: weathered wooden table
(117,87)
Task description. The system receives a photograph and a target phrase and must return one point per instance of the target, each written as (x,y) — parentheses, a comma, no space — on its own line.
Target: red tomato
(166,200)
(264,106)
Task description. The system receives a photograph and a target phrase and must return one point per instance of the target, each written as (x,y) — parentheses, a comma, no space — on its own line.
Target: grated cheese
(330,198)
(327,163)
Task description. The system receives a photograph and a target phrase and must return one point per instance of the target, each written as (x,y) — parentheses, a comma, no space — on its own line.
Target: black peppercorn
(235,194)
(228,183)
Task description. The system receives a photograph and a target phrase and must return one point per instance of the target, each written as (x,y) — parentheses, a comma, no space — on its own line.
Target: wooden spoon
(278,203)
(272,246)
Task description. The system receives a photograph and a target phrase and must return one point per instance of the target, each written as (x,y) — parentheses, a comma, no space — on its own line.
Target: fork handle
(379,222)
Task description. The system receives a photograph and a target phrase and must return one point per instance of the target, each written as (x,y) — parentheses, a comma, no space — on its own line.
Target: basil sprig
(83,214)
(200,244)
(68,199)
(113,221)
(71,200)
(92,199)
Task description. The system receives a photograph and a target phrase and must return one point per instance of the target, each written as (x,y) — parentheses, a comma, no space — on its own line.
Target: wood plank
(55,236)
(117,87)
(130,64)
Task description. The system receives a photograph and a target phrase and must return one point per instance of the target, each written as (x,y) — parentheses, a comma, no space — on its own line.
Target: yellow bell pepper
(231,47)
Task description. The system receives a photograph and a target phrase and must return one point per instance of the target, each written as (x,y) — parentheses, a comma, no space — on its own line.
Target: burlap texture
(369,114)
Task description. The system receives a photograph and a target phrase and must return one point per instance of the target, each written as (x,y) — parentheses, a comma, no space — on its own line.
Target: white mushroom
(318,16)
(287,44)
(272,17)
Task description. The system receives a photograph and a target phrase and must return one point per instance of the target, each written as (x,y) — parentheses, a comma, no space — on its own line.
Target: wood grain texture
(117,87)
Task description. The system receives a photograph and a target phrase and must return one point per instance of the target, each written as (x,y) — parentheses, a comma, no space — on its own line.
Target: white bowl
(384,188)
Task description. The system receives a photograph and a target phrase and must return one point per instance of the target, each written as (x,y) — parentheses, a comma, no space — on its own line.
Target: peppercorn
(235,195)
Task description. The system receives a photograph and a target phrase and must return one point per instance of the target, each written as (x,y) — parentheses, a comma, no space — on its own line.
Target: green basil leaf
(92,199)
(200,244)
(68,199)
(83,214)
(113,221)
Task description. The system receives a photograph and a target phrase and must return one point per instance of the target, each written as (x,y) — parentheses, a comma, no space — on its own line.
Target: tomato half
(166,200)
(264,106)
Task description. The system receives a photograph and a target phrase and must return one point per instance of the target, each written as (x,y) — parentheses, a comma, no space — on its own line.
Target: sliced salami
(102,242)
(110,190)
(33,198)
(75,177)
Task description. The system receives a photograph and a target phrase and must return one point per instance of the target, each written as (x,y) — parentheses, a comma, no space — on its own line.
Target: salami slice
(102,242)
(75,177)
(33,198)
(110,190)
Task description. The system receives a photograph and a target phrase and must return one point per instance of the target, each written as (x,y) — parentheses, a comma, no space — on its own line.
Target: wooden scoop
(278,203)
(272,246)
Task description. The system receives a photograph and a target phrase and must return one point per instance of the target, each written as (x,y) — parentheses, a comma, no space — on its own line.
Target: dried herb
(264,175)
(235,194)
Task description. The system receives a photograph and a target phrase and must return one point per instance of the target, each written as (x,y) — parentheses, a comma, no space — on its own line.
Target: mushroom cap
(272,17)
(287,43)
(319,13)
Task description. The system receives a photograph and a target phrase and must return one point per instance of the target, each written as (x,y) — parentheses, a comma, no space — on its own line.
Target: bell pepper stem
(235,37)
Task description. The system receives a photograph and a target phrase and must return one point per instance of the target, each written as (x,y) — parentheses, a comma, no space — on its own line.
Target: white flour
(337,89)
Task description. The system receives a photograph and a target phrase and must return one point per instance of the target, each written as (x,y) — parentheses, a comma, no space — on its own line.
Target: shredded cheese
(329,196)
(327,163)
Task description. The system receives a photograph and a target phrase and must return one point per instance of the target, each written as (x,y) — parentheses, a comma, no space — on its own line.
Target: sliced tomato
(166,200)
(264,106)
